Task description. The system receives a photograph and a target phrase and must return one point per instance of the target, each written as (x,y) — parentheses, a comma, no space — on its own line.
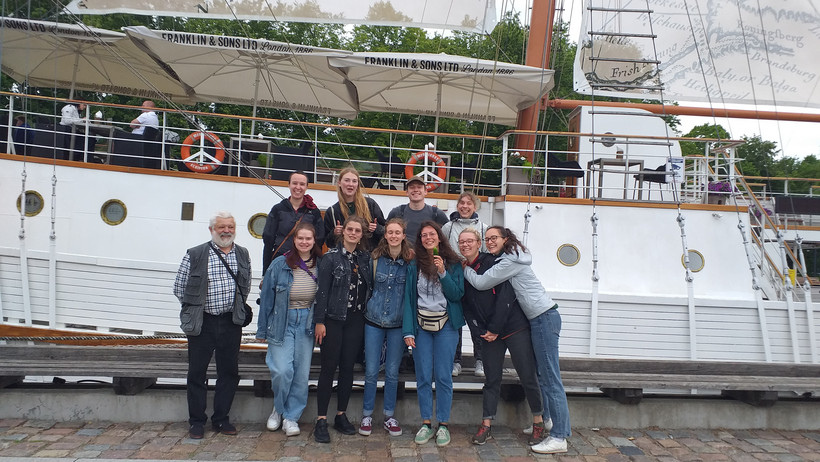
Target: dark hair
(365,233)
(512,243)
(425,260)
(299,172)
(292,258)
(383,248)
(20,118)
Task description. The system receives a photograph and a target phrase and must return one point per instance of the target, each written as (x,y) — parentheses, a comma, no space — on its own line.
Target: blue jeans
(374,338)
(545,330)
(435,352)
(289,365)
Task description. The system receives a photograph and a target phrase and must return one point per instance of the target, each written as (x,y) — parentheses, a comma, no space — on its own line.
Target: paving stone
(14,437)
(90,431)
(657,435)
(620,441)
(630,451)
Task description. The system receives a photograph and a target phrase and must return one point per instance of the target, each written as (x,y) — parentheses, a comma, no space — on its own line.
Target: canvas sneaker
(551,446)
(274,421)
(442,436)
(456,369)
(366,427)
(424,434)
(479,368)
(547,427)
(291,427)
(482,435)
(392,426)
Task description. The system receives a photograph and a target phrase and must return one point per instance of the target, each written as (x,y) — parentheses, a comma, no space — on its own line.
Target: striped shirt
(221,285)
(303,290)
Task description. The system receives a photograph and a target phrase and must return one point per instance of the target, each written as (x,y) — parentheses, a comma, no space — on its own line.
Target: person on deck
(212,285)
(148,118)
(430,323)
(345,282)
(284,216)
(495,318)
(513,265)
(352,201)
(22,134)
(286,323)
(466,217)
(71,122)
(382,326)
(416,211)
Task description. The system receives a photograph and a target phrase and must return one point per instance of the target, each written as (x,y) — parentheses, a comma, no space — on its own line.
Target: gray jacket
(456,225)
(531,295)
(196,288)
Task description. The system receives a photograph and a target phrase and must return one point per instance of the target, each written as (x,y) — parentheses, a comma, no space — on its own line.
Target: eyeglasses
(467,241)
(490,239)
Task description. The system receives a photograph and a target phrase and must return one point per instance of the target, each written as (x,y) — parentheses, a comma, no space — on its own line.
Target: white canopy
(255,72)
(48,54)
(444,85)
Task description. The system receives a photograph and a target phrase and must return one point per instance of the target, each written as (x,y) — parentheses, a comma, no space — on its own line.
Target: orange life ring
(197,162)
(432,157)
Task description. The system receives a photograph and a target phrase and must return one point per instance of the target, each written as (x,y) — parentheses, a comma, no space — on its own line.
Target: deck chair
(657,178)
(391,166)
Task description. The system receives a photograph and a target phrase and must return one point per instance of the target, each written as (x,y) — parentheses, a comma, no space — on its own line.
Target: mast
(538,47)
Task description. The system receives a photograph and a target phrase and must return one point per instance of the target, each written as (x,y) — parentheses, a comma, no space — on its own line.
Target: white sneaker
(550,446)
(291,427)
(479,368)
(547,427)
(456,369)
(274,421)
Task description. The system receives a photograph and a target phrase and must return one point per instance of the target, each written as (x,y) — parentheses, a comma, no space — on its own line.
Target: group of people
(412,280)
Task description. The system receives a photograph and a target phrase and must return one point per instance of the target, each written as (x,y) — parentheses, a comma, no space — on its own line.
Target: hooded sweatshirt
(456,225)
(517,269)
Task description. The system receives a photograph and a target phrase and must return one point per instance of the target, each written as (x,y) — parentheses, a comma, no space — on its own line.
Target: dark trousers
(523,358)
(477,341)
(340,347)
(219,337)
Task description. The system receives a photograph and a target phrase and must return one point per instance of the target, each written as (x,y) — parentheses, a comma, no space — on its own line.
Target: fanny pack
(432,321)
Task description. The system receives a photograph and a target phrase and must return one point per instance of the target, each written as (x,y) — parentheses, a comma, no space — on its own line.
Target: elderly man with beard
(212,285)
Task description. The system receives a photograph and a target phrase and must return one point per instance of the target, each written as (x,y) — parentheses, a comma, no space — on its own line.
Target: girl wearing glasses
(513,265)
(383,324)
(430,325)
(495,317)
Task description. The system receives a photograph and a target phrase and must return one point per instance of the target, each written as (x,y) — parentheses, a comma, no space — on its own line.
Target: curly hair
(512,244)
(423,257)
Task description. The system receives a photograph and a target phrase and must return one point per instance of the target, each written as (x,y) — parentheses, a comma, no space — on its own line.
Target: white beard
(222,240)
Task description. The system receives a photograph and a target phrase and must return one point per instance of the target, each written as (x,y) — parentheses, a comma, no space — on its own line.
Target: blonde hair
(473,198)
(359,201)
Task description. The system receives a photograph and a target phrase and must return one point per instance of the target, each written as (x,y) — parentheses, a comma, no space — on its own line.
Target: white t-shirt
(70,115)
(146,119)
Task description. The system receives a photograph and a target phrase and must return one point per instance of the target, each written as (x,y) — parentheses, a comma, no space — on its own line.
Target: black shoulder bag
(248,310)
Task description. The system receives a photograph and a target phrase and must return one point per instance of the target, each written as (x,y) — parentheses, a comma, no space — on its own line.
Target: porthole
(696,261)
(113,212)
(34,203)
(569,255)
(256,225)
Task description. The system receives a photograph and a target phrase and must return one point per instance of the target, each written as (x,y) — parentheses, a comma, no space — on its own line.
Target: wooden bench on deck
(136,368)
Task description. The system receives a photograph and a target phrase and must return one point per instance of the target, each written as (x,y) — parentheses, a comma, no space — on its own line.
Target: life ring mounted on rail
(432,180)
(201,161)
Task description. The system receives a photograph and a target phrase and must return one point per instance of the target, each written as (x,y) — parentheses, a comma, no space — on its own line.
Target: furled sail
(738,51)
(468,15)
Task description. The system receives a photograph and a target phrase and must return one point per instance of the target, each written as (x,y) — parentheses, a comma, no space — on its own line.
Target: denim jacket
(273,310)
(334,283)
(385,305)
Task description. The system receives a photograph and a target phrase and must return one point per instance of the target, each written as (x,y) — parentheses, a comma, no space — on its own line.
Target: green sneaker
(442,436)
(424,434)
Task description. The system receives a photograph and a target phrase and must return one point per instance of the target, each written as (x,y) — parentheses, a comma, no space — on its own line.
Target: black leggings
(340,347)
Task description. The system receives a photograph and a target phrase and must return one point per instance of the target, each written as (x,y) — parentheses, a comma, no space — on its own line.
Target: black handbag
(248,309)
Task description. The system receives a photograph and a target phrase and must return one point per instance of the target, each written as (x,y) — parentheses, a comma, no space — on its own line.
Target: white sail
(739,51)
(468,15)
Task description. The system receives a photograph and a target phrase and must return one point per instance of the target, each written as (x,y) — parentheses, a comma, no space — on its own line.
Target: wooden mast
(538,55)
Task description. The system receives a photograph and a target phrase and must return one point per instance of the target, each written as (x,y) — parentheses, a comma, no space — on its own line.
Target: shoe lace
(367,421)
(391,422)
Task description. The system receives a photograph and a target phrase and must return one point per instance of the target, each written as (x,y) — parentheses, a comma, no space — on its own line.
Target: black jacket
(334,284)
(334,214)
(281,220)
(495,310)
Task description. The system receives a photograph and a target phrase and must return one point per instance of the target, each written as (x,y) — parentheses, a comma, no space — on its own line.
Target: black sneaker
(226,428)
(342,425)
(197,431)
(320,433)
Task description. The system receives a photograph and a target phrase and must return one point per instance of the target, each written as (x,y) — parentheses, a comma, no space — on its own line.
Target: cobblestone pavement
(74,441)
